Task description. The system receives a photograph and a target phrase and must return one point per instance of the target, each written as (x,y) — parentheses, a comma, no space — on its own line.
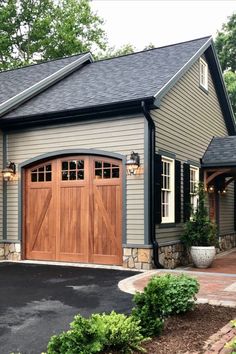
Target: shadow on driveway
(37,301)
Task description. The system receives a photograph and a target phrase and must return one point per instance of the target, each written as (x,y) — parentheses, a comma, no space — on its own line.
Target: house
(100,158)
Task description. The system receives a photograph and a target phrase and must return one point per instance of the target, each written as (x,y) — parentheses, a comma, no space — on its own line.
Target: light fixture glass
(133,163)
(9,171)
(211,189)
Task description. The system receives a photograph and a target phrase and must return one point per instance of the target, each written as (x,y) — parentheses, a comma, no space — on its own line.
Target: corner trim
(4,192)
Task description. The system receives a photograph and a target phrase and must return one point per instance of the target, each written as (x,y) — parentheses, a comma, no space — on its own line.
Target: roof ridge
(43,62)
(151,49)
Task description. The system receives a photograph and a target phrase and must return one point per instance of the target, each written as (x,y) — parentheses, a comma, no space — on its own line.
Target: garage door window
(106,170)
(72,170)
(42,174)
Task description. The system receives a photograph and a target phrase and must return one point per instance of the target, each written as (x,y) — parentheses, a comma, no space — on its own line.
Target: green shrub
(163,296)
(99,332)
(232,343)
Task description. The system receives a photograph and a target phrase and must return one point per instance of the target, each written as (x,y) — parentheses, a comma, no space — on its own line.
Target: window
(194,179)
(106,170)
(72,170)
(42,174)
(203,74)
(167,193)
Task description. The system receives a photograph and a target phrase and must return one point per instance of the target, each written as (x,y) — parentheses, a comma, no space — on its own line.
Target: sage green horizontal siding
(187,120)
(121,136)
(226,211)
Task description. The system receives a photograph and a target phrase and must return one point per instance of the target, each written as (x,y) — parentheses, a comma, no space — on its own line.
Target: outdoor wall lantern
(211,189)
(9,171)
(133,163)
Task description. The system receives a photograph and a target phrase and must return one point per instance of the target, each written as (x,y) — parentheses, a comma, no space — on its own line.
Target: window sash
(194,180)
(203,73)
(167,194)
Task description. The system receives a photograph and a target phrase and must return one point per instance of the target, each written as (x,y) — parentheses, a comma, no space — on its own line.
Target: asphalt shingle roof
(221,152)
(15,81)
(131,77)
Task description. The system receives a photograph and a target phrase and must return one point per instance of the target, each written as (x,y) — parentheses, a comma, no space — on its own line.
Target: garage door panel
(39,224)
(73,225)
(105,239)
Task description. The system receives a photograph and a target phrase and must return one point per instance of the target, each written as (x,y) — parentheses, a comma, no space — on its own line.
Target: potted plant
(200,234)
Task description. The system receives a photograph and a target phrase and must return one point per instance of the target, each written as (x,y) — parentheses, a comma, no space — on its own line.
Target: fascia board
(163,91)
(33,90)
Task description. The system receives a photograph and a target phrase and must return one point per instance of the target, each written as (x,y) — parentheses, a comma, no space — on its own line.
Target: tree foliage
(225,43)
(33,30)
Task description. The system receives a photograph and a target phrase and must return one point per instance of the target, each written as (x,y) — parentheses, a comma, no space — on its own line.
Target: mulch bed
(188,332)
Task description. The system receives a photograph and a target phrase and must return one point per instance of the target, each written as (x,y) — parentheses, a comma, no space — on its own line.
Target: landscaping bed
(189,331)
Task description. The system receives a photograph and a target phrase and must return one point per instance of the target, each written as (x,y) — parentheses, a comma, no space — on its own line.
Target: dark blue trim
(4,192)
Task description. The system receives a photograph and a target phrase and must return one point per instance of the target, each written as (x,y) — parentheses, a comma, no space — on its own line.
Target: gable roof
(125,80)
(220,152)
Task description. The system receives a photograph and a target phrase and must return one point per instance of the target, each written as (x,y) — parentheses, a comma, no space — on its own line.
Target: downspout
(151,150)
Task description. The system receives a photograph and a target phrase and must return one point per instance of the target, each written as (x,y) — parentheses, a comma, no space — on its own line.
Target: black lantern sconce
(9,171)
(133,163)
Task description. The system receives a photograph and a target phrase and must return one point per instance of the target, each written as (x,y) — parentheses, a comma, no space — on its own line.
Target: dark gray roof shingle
(131,77)
(220,152)
(15,81)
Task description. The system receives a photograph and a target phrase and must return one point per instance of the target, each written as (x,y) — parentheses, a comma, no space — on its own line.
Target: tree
(34,30)
(112,52)
(226,48)
(225,43)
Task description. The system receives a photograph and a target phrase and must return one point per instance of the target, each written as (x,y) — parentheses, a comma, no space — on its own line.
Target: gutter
(151,149)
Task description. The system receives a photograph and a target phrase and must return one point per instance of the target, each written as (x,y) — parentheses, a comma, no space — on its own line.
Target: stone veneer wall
(227,242)
(138,258)
(10,251)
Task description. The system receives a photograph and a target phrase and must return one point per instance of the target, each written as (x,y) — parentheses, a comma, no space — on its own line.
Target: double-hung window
(203,74)
(167,193)
(194,180)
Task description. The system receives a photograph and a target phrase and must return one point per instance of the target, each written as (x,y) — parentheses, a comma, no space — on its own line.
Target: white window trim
(171,217)
(203,64)
(196,169)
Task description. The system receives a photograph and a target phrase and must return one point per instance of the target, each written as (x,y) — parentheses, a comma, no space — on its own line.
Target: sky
(161,22)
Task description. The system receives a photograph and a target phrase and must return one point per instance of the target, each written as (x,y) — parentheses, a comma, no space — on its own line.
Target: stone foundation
(227,242)
(10,251)
(172,256)
(137,258)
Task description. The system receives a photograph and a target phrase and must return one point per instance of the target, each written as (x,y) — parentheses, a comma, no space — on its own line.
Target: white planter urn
(202,256)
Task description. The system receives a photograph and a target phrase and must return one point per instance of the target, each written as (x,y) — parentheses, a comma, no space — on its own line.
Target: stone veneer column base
(10,251)
(227,242)
(172,256)
(137,258)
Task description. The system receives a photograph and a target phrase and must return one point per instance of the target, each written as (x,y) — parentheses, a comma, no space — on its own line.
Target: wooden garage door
(72,210)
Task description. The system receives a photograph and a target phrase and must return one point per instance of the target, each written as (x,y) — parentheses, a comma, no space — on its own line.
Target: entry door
(73,210)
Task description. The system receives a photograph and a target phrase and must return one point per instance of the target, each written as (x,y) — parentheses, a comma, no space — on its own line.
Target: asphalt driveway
(37,301)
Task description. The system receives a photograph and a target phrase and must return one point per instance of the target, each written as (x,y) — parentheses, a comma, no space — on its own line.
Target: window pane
(115,166)
(41,168)
(72,165)
(48,167)
(80,164)
(98,164)
(72,175)
(80,175)
(98,173)
(106,164)
(34,171)
(41,177)
(64,175)
(64,165)
(115,173)
(48,176)
(34,177)
(107,173)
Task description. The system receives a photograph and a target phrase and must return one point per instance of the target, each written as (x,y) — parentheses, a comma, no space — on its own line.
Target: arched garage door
(72,210)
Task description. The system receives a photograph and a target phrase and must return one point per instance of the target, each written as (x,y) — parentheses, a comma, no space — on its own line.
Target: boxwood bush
(163,296)
(100,332)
